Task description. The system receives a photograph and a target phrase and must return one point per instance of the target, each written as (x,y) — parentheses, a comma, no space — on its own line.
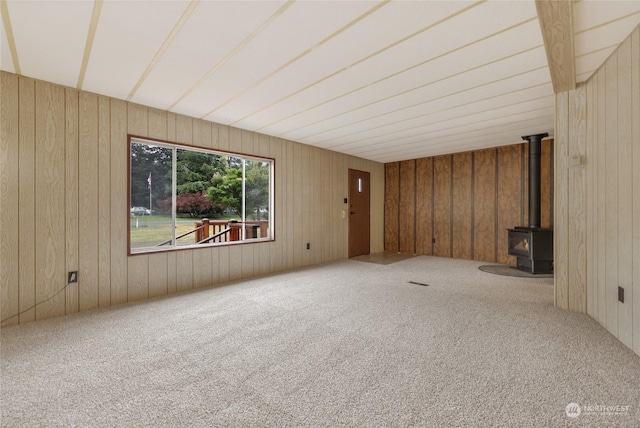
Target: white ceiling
(385,81)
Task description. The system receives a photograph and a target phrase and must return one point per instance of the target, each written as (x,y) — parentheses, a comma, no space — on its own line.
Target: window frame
(175,147)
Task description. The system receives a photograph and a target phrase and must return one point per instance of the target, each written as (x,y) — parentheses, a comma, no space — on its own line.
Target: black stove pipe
(535,148)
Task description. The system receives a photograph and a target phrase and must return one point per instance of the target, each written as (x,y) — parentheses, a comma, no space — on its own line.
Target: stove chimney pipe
(535,148)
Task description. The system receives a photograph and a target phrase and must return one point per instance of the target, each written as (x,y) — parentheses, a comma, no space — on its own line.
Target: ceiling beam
(556,23)
(95,17)
(10,38)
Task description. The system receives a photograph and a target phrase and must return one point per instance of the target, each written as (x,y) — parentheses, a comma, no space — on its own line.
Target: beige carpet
(342,344)
(507,270)
(385,258)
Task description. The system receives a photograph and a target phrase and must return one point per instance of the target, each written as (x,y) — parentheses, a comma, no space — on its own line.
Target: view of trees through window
(174,188)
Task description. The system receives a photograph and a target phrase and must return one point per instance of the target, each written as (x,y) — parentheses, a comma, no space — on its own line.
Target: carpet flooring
(385,258)
(507,270)
(344,344)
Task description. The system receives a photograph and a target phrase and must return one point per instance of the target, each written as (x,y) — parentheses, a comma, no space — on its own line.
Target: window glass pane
(201,180)
(225,190)
(150,215)
(257,198)
(182,196)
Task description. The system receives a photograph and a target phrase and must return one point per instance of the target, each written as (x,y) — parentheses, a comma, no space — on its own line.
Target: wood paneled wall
(598,202)
(461,205)
(65,206)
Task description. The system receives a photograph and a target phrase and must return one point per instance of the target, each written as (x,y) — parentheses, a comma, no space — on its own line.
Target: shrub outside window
(185,197)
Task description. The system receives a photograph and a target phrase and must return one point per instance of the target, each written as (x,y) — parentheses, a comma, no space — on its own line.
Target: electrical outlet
(72,277)
(345,200)
(620,294)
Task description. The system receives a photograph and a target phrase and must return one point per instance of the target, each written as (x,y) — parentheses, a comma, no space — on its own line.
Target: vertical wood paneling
(591,204)
(215,137)
(137,120)
(202,134)
(576,204)
(70,160)
(442,206)
(625,188)
(391,206)
(488,240)
(247,144)
(320,207)
(407,210)
(289,189)
(635,115)
(305,211)
(162,265)
(255,271)
(327,204)
(202,270)
(138,278)
(88,200)
(276,258)
(484,204)
(611,209)
(341,208)
(235,262)
(223,264)
(104,200)
(215,266)
(158,274)
(235,139)
(424,206)
(171,126)
(267,251)
(223,137)
(158,124)
(342,186)
(50,197)
(262,145)
(509,197)
(462,207)
(602,195)
(377,206)
(313,238)
(546,183)
(119,202)
(599,201)
(184,129)
(297,247)
(27,203)
(9,220)
(247,260)
(138,266)
(561,227)
(184,269)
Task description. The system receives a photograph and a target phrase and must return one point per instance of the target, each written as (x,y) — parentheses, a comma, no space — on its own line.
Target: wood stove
(532,245)
(533,249)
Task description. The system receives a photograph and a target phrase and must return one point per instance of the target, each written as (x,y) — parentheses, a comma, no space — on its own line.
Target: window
(181,196)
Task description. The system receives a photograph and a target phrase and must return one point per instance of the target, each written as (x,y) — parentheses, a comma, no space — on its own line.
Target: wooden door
(359,212)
